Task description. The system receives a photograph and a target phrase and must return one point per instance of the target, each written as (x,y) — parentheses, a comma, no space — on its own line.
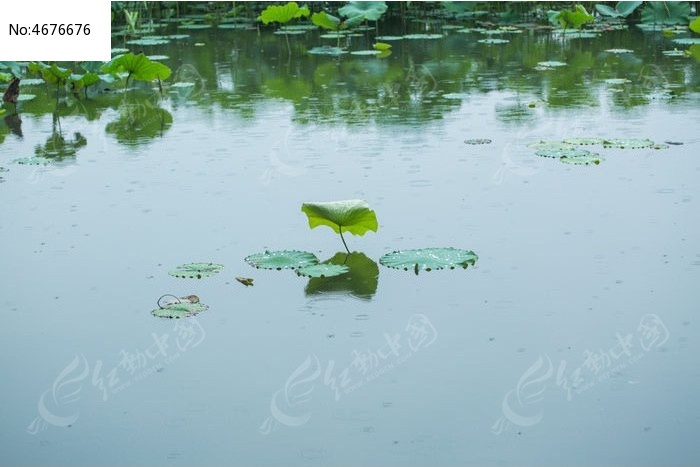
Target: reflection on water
(360,281)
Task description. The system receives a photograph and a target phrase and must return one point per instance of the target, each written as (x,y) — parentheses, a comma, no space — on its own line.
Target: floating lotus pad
(32,81)
(177,36)
(591,159)
(583,141)
(119,51)
(36,160)
(323,270)
(477,141)
(551,64)
(288,32)
(389,38)
(285,259)
(158,57)
(628,143)
(179,310)
(196,270)
(327,51)
(195,26)
(149,41)
(563,152)
(619,51)
(420,36)
(25,97)
(668,53)
(427,259)
(366,52)
(617,81)
(687,40)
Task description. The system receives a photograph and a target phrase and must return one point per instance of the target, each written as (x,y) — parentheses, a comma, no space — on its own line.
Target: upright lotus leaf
(352,216)
(138,67)
(370,11)
(13,67)
(283,13)
(665,12)
(323,270)
(621,10)
(55,74)
(285,259)
(326,21)
(381,46)
(574,19)
(427,259)
(695,25)
(196,270)
(360,281)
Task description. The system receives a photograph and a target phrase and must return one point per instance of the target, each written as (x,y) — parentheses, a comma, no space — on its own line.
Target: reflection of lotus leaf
(589,159)
(428,258)
(323,270)
(57,147)
(628,143)
(493,41)
(366,52)
(562,152)
(285,259)
(583,141)
(179,310)
(196,270)
(360,281)
(139,122)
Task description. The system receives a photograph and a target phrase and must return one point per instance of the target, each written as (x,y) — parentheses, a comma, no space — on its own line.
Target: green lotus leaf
(352,216)
(551,64)
(626,8)
(687,40)
(583,141)
(574,19)
(427,259)
(195,26)
(628,143)
(85,80)
(665,12)
(325,50)
(322,270)
(607,11)
(179,310)
(695,25)
(381,46)
(562,152)
(421,36)
(360,281)
(283,13)
(590,159)
(55,74)
(149,41)
(285,259)
(326,21)
(138,67)
(196,270)
(37,160)
(370,11)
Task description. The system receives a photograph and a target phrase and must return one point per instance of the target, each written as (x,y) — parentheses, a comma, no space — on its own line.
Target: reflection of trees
(140,121)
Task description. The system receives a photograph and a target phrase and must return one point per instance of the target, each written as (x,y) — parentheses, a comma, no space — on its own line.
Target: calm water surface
(572,341)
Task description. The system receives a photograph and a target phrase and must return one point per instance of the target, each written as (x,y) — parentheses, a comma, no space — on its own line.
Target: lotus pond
(523,244)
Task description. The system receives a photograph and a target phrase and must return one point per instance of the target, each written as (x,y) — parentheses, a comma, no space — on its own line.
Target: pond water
(573,340)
